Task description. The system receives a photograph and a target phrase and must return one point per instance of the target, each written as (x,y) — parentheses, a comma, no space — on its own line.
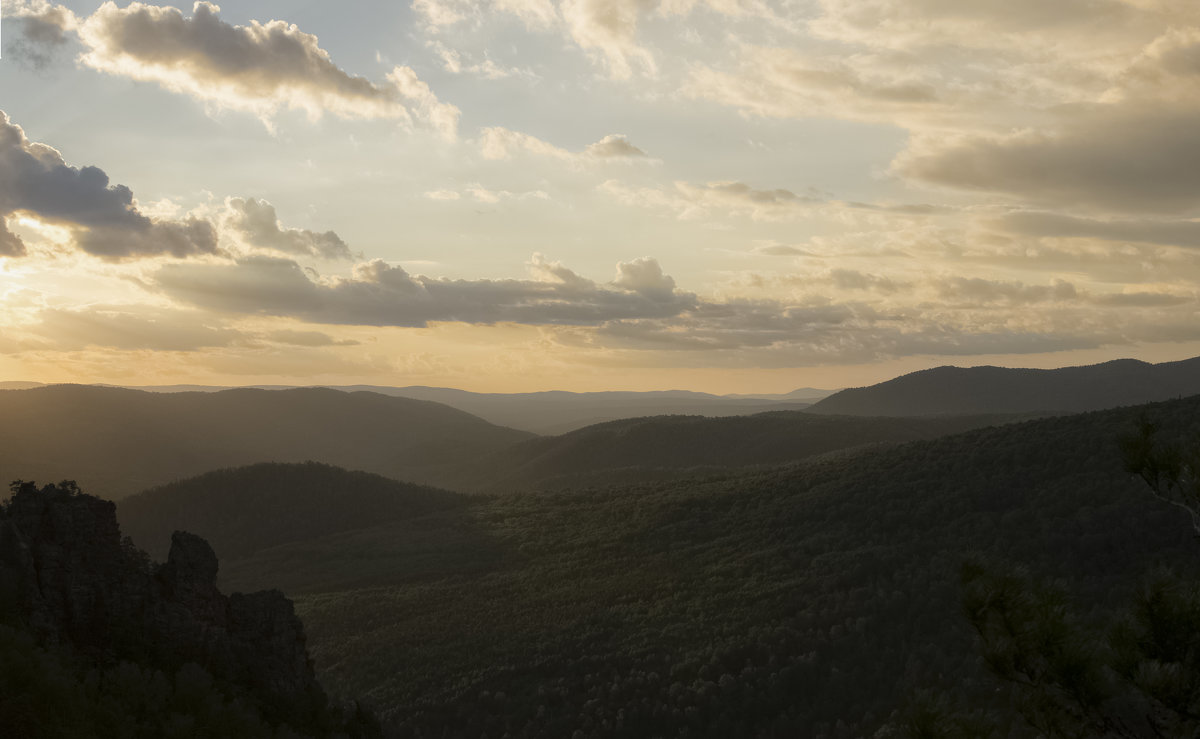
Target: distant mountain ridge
(560,411)
(665,447)
(116,442)
(959,390)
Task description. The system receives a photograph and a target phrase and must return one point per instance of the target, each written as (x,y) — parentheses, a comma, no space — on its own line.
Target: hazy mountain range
(115,442)
(551,412)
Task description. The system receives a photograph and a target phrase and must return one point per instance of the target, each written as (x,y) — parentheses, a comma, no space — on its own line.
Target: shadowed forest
(786,573)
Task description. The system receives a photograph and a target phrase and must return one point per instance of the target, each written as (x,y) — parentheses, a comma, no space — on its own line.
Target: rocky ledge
(69,577)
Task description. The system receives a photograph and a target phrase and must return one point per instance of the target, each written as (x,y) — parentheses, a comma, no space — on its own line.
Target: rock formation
(71,580)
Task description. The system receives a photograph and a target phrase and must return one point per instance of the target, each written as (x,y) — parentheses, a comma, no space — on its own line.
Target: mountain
(663,447)
(803,394)
(114,441)
(557,412)
(96,640)
(956,390)
(18,385)
(240,511)
(811,599)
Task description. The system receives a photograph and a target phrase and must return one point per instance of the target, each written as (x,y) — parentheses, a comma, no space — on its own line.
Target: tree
(1136,676)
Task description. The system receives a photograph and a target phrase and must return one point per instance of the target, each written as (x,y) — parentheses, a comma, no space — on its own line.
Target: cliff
(69,579)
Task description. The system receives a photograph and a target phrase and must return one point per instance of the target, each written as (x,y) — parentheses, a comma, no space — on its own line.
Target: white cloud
(501,143)
(255,223)
(260,68)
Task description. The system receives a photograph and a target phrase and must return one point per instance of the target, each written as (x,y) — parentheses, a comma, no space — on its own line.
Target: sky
(732,196)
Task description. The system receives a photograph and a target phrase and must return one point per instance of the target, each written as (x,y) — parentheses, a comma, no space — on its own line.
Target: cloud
(1184,233)
(501,143)
(781,250)
(103,219)
(452,62)
(605,28)
(786,83)
(849,279)
(691,200)
(1121,158)
(256,223)
(645,277)
(974,290)
(613,146)
(972,23)
(41,31)
(442,117)
(132,328)
(498,143)
(378,294)
(609,27)
(291,337)
(260,68)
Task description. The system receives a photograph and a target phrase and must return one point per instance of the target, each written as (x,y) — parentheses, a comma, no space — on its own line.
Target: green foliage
(1171,471)
(798,601)
(1137,675)
(45,693)
(637,450)
(240,511)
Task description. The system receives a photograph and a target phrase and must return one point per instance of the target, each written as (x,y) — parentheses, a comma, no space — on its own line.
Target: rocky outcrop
(70,579)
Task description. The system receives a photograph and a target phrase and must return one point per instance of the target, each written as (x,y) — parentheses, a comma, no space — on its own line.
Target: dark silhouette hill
(240,511)
(96,640)
(115,441)
(810,599)
(662,447)
(946,390)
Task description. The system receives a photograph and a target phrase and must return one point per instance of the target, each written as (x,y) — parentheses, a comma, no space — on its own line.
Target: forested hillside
(240,511)
(957,390)
(115,442)
(811,600)
(665,447)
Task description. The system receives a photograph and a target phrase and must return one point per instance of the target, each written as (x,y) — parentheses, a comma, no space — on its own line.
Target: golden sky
(516,195)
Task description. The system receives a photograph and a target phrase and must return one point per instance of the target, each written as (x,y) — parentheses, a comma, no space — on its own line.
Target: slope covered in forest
(242,510)
(666,447)
(808,600)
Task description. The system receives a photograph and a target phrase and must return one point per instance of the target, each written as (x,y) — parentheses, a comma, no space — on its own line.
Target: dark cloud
(974,290)
(10,244)
(256,222)
(382,295)
(103,218)
(1146,231)
(1127,158)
